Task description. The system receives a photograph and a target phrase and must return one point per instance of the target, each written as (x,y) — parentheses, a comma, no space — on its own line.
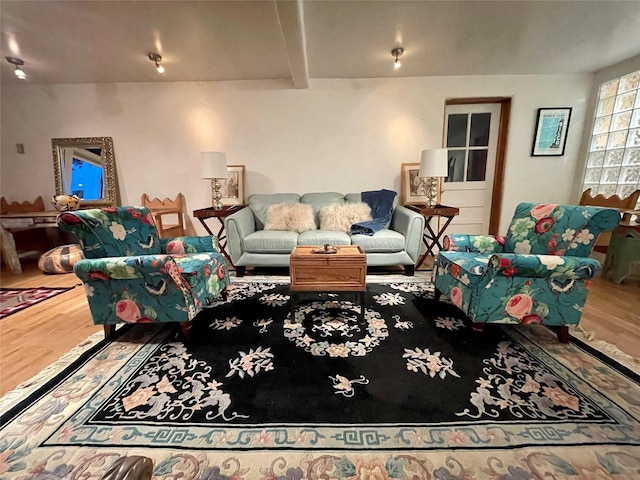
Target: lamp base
(215,194)
(432,192)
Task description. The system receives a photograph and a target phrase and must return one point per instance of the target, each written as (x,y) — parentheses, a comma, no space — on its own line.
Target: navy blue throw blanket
(381,203)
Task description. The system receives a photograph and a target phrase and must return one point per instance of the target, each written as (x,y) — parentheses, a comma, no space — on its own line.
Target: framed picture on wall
(232,189)
(550,136)
(414,188)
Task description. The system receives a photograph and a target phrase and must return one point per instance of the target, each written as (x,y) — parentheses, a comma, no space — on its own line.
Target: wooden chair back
(622,204)
(21,207)
(626,203)
(167,207)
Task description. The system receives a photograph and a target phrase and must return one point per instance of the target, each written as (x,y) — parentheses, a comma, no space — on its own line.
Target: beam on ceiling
(291,18)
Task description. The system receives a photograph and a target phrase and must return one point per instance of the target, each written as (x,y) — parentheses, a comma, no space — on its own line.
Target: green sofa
(249,244)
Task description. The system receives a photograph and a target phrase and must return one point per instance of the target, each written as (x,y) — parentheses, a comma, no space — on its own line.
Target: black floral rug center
(412,374)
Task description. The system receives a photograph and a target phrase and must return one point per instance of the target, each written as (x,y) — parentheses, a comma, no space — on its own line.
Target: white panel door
(471,138)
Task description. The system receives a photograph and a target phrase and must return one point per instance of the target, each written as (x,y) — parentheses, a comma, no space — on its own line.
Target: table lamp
(214,167)
(433,164)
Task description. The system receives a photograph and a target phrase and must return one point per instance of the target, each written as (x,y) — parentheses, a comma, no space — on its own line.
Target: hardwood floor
(37,336)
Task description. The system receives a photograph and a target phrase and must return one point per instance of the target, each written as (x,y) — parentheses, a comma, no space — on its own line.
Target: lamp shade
(214,165)
(433,163)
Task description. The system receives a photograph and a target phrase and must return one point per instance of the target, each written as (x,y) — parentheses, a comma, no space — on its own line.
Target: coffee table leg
(293,306)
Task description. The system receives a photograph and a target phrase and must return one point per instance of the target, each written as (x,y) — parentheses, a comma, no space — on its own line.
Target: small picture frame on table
(232,189)
(550,136)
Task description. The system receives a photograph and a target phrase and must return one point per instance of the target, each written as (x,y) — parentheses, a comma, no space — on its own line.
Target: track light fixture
(157,58)
(397,52)
(17,63)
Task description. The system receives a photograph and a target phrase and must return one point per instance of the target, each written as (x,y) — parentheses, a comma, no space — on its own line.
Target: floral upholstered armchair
(131,275)
(538,274)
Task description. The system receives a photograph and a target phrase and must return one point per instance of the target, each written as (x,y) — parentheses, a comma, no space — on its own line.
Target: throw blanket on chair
(381,203)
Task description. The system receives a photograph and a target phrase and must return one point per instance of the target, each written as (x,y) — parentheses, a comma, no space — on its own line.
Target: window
(613,163)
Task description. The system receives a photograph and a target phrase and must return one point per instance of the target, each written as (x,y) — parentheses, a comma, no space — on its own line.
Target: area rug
(13,300)
(262,392)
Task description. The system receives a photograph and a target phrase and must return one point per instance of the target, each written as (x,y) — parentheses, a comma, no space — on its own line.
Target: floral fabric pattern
(131,275)
(538,273)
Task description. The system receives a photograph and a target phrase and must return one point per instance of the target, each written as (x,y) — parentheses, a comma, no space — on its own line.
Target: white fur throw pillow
(340,217)
(296,217)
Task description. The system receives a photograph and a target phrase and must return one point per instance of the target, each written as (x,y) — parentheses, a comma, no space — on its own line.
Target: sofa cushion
(320,237)
(340,217)
(383,241)
(270,241)
(258,203)
(321,199)
(294,217)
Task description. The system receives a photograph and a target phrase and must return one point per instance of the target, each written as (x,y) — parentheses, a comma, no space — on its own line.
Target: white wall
(340,135)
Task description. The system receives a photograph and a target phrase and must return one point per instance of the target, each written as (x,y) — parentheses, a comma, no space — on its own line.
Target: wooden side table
(21,221)
(431,238)
(343,271)
(219,214)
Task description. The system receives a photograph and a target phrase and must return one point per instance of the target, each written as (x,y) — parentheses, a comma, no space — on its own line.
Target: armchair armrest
(473,243)
(410,224)
(124,268)
(238,226)
(542,266)
(180,245)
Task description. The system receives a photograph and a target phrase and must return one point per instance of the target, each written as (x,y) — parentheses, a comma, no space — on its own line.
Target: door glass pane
(477,165)
(457,130)
(456,166)
(480,123)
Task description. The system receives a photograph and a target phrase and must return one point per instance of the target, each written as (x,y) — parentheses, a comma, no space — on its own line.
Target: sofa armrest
(411,225)
(473,243)
(542,266)
(180,245)
(238,226)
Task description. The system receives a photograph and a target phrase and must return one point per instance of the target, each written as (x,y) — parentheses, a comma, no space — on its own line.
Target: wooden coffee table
(343,271)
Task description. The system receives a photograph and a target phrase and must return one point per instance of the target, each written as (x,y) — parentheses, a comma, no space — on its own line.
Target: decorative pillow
(296,217)
(340,217)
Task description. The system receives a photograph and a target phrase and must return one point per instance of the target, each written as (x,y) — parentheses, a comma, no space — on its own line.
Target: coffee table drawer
(327,278)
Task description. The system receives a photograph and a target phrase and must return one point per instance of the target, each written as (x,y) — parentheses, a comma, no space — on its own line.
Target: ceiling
(108,41)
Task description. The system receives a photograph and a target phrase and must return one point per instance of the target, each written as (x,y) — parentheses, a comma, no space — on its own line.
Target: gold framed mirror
(86,167)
